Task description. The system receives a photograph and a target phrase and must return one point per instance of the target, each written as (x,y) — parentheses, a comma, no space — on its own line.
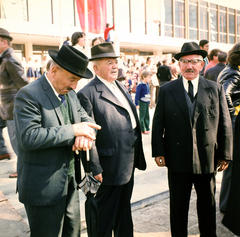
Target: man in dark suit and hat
(192,136)
(118,149)
(50,126)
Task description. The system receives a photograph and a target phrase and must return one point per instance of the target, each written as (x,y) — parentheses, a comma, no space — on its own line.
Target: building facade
(142,27)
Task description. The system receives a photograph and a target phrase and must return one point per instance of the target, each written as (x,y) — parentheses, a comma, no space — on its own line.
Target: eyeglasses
(192,61)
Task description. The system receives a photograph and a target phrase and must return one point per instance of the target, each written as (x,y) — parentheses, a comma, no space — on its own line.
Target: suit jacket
(164,73)
(213,72)
(232,214)
(44,142)
(12,79)
(116,153)
(192,145)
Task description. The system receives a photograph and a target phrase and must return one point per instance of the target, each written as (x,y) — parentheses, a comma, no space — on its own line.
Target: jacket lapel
(178,93)
(203,94)
(52,98)
(73,104)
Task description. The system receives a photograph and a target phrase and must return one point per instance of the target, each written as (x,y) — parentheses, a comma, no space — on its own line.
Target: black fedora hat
(104,50)
(190,48)
(5,34)
(72,60)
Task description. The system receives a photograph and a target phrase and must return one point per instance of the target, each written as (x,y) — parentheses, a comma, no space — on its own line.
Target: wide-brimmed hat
(72,60)
(190,48)
(5,34)
(104,50)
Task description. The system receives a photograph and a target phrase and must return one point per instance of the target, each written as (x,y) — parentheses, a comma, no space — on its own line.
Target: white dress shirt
(194,82)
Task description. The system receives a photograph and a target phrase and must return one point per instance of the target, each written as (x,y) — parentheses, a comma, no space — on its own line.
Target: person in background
(192,136)
(36,68)
(213,57)
(50,126)
(164,73)
(229,77)
(213,72)
(107,37)
(3,149)
(97,40)
(142,100)
(175,70)
(30,71)
(44,64)
(204,45)
(118,148)
(78,40)
(67,41)
(12,79)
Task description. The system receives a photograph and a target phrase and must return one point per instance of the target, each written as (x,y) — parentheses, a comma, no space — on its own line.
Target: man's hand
(85,129)
(222,165)
(99,177)
(82,143)
(160,161)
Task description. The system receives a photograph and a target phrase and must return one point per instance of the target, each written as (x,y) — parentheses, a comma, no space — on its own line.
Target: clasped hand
(85,135)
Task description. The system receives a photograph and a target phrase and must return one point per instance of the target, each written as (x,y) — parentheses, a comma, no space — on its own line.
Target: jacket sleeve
(95,165)
(16,73)
(28,121)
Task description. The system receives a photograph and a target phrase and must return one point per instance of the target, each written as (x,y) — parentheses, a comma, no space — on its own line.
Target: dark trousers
(180,187)
(60,220)
(115,210)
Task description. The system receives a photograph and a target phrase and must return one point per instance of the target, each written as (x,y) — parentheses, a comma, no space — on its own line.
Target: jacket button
(178,143)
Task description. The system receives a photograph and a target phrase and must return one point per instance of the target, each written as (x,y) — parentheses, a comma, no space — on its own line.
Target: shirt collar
(194,82)
(55,92)
(107,83)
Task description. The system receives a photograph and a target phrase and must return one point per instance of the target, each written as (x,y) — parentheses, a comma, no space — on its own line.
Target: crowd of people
(51,120)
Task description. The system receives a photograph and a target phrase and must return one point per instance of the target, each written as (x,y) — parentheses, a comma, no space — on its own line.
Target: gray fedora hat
(5,34)
(104,50)
(190,48)
(72,60)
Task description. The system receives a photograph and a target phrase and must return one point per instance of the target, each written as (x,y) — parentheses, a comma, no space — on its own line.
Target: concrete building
(142,27)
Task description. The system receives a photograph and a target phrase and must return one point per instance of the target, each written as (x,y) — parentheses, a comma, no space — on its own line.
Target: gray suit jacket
(116,153)
(44,142)
(192,146)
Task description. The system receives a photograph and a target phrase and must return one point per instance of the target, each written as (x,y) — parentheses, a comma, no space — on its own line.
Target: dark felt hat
(104,50)
(5,34)
(190,48)
(72,60)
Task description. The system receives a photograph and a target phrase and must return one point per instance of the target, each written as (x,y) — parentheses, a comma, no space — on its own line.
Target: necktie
(190,91)
(63,100)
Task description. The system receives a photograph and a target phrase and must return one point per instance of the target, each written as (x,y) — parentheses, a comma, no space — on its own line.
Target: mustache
(69,88)
(189,70)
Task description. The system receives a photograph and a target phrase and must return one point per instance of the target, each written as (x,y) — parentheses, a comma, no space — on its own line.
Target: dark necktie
(63,100)
(190,91)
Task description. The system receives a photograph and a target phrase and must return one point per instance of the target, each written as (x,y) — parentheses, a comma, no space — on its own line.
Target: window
(231,26)
(238,26)
(223,24)
(213,16)
(203,20)
(179,19)
(193,19)
(14,10)
(168,18)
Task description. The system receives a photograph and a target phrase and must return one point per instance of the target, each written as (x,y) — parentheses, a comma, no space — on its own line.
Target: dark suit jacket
(114,154)
(192,146)
(44,142)
(213,72)
(164,73)
(232,214)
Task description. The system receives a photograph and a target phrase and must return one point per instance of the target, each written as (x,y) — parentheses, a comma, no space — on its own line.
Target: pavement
(150,201)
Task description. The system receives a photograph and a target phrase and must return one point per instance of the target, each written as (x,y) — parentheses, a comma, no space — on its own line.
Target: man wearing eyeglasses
(192,136)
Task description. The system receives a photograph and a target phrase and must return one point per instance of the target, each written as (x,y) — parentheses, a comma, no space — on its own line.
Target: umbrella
(89,185)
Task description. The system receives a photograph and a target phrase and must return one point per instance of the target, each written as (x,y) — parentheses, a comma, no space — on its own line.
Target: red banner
(97,15)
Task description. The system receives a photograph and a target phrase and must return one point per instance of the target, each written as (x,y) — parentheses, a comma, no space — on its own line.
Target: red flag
(97,15)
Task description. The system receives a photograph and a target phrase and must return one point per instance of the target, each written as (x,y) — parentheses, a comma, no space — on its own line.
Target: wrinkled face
(62,80)
(190,70)
(107,68)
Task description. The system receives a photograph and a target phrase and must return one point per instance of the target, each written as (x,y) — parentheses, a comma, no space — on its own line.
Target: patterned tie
(190,91)
(63,100)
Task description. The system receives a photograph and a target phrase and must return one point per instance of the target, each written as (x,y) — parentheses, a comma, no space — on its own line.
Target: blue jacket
(142,93)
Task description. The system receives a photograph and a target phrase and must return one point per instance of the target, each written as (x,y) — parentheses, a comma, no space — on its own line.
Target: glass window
(168,11)
(153,17)
(179,32)
(179,13)
(214,6)
(203,3)
(231,10)
(222,22)
(231,39)
(203,18)
(203,35)
(238,25)
(122,15)
(193,1)
(138,16)
(222,8)
(18,50)
(231,26)
(213,25)
(14,10)
(193,16)
(168,31)
(193,34)
(40,11)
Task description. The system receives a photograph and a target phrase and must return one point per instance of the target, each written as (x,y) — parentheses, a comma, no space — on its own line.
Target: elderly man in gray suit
(192,136)
(50,126)
(118,148)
